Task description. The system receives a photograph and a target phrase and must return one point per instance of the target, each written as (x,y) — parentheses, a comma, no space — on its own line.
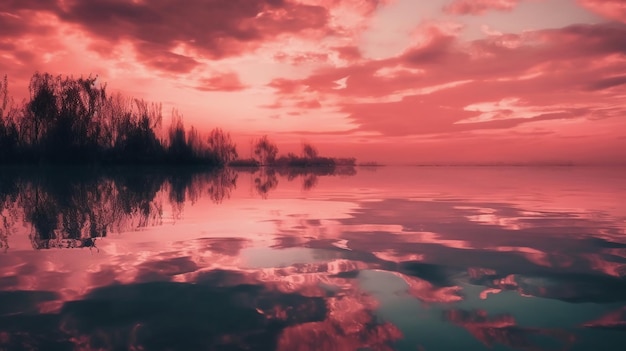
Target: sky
(390,81)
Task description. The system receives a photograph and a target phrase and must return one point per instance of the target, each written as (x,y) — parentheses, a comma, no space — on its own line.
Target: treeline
(266,154)
(70,120)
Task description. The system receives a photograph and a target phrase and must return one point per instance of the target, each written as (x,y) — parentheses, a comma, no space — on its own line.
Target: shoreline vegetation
(74,121)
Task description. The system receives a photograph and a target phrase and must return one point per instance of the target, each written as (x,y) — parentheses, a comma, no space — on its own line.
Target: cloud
(285,86)
(348,53)
(437,86)
(167,61)
(612,9)
(167,36)
(299,58)
(309,104)
(228,81)
(435,50)
(216,29)
(478,7)
(607,83)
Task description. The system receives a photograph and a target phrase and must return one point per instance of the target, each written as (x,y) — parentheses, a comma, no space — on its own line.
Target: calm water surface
(350,259)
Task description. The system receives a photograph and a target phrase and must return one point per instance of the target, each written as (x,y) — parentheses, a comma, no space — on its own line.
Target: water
(367,259)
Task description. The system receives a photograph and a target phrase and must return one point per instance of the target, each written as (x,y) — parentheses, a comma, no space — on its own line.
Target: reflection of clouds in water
(430,228)
(503,329)
(305,289)
(253,313)
(613,320)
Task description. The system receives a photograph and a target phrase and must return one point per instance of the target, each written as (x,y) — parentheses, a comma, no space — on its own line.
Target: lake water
(391,258)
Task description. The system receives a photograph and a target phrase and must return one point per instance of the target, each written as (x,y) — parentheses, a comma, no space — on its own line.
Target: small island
(266,155)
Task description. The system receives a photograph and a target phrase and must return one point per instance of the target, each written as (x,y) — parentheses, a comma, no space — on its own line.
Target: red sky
(394,81)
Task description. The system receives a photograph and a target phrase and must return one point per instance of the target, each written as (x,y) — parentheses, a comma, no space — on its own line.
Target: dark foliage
(70,120)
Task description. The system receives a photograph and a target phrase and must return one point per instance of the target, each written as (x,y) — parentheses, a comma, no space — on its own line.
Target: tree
(265,150)
(43,102)
(309,151)
(9,135)
(222,145)
(178,137)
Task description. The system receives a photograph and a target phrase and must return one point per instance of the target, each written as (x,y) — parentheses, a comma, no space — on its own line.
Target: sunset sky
(393,81)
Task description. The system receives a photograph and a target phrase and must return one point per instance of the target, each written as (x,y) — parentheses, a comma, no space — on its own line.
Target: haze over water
(390,258)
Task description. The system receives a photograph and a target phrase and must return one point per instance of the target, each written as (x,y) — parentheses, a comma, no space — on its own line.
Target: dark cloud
(18,5)
(215,28)
(212,29)
(608,83)
(17,23)
(590,39)
(434,52)
(152,56)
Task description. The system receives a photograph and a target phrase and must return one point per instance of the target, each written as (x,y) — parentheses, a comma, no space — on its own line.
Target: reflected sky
(377,258)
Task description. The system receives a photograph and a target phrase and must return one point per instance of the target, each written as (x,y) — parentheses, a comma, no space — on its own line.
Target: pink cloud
(612,9)
(300,58)
(156,30)
(154,57)
(437,49)
(349,53)
(479,7)
(438,81)
(607,83)
(442,78)
(228,81)
(309,104)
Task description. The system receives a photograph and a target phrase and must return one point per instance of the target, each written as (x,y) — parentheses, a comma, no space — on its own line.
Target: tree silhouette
(265,150)
(70,120)
(222,145)
(9,134)
(43,104)
(309,151)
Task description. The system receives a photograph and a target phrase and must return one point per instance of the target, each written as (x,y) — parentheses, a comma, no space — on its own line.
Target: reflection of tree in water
(8,211)
(309,181)
(71,207)
(310,175)
(266,178)
(69,211)
(265,181)
(222,185)
(190,186)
